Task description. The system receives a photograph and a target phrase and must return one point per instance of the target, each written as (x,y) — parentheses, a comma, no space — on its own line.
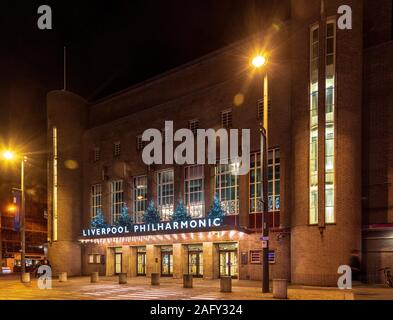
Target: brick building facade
(329,159)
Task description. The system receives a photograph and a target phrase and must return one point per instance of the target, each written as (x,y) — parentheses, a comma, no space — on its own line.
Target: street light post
(259,62)
(22,217)
(264,177)
(8,155)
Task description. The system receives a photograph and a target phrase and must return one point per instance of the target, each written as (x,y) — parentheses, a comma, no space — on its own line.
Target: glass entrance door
(141,264)
(166,264)
(195,263)
(228,264)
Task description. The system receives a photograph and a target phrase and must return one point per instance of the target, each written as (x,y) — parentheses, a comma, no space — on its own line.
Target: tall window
(194,126)
(140,198)
(226,119)
(165,194)
(117,199)
(193,190)
(227,188)
(314,73)
(273,181)
(330,127)
(261,108)
(140,144)
(97,154)
(116,149)
(96,199)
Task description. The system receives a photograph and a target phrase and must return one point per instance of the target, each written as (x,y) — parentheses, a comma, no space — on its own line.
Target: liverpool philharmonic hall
(330,158)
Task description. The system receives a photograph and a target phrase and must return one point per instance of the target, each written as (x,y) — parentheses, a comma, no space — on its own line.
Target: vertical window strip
(165,194)
(194,191)
(140,198)
(96,200)
(117,199)
(330,125)
(273,182)
(255,183)
(54,202)
(227,188)
(313,165)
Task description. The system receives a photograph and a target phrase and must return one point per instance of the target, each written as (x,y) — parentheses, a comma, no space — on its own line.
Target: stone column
(178,260)
(153,259)
(125,261)
(132,262)
(209,186)
(210,261)
(178,179)
(110,262)
(244,202)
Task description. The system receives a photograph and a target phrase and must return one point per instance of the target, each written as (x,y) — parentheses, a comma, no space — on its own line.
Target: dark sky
(111,45)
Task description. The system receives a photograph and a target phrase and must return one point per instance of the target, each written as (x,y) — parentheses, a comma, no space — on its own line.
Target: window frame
(218,178)
(227,119)
(165,209)
(116,206)
(116,149)
(193,125)
(313,183)
(257,174)
(138,214)
(95,199)
(188,193)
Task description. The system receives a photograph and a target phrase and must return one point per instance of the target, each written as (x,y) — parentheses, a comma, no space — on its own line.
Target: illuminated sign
(162,227)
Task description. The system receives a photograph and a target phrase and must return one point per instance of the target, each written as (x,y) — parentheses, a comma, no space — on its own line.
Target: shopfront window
(227,188)
(165,194)
(140,198)
(193,191)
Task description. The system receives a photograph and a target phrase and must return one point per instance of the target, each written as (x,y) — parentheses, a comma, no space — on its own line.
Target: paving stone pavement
(108,288)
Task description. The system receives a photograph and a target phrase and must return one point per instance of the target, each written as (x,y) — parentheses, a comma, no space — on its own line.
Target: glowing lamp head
(11,208)
(259,61)
(8,155)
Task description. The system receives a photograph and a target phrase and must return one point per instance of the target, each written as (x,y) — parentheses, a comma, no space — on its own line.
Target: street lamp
(9,156)
(259,62)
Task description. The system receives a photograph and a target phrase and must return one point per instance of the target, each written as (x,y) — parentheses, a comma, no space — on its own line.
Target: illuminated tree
(151,214)
(99,221)
(124,219)
(216,209)
(181,213)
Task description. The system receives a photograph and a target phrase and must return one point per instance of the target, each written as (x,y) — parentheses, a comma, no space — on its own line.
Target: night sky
(110,46)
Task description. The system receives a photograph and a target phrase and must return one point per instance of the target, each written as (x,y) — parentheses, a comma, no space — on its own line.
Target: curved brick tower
(318,247)
(66,114)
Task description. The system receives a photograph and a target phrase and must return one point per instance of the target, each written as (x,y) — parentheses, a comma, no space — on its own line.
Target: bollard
(94,278)
(122,278)
(226,284)
(25,277)
(187,281)
(155,279)
(280,289)
(63,277)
